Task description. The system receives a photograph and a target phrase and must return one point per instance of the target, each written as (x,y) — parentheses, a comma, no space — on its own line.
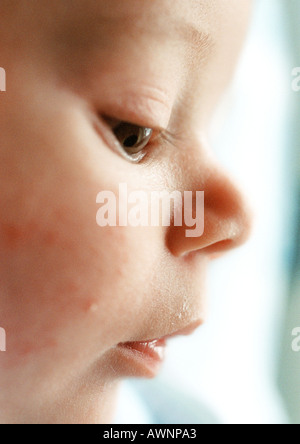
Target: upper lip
(189,329)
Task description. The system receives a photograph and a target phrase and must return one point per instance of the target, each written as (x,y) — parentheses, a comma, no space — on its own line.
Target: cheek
(66,284)
(65,281)
(64,272)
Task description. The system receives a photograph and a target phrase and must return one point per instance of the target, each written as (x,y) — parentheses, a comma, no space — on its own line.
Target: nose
(227,216)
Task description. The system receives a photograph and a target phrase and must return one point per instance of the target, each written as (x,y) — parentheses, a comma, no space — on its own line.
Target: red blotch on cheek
(15,235)
(50,238)
(27,348)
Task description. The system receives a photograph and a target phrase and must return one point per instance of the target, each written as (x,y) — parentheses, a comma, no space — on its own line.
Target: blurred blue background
(239,368)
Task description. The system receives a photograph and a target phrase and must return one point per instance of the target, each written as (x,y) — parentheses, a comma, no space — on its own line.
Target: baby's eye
(132,139)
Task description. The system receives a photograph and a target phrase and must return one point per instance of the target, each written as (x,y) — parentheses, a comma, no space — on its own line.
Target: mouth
(146,357)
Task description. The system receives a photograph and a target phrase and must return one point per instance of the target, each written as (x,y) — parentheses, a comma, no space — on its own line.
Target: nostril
(214,251)
(219,248)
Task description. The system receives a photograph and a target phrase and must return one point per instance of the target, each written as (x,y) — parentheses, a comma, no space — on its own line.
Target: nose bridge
(227,217)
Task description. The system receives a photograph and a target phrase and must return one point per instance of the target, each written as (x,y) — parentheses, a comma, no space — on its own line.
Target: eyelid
(141,105)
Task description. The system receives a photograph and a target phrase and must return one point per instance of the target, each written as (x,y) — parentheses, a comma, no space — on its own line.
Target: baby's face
(71,291)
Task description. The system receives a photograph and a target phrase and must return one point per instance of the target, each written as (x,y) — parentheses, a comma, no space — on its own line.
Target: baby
(101,93)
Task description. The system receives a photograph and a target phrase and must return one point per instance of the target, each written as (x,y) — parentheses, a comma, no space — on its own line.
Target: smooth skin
(71,291)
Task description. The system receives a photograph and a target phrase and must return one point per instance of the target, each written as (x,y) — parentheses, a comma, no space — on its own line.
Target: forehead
(188,19)
(205,13)
(146,14)
(172,39)
(162,49)
(157,35)
(195,25)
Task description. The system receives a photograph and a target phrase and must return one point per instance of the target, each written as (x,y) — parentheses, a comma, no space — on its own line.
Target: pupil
(130,141)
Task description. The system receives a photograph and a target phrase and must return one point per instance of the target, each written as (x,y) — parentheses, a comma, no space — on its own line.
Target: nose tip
(228,219)
(226,232)
(229,205)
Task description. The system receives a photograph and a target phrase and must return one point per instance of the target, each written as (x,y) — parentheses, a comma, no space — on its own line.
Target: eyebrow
(198,41)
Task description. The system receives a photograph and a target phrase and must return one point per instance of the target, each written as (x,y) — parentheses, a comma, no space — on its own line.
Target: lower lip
(146,358)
